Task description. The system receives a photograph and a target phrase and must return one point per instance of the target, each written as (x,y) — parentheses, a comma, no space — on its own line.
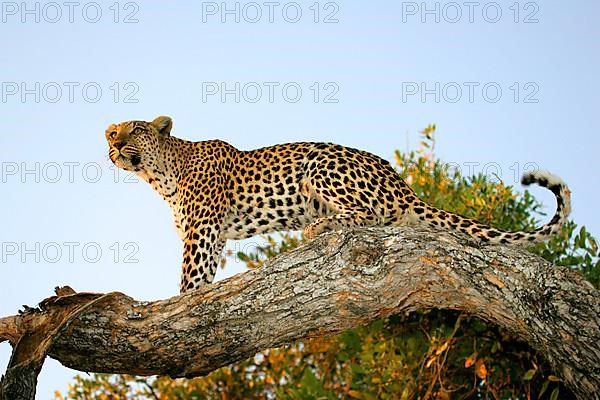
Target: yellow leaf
(429,362)
(553,378)
(471,360)
(442,348)
(481,370)
(355,394)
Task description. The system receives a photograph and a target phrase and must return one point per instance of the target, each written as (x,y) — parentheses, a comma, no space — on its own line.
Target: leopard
(217,192)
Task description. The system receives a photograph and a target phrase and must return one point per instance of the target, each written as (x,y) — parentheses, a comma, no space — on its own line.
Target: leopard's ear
(163,125)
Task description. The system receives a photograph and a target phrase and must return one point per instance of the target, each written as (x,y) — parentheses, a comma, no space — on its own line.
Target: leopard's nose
(118,145)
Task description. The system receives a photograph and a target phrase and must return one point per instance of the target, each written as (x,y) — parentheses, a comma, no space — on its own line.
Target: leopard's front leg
(201,256)
(203,210)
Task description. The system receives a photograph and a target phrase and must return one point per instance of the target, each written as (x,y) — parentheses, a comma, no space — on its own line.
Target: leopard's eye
(112,135)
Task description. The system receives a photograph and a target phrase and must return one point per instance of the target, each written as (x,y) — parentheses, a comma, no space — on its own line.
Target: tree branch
(336,282)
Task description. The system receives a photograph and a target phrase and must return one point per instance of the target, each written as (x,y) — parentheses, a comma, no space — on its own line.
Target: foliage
(432,354)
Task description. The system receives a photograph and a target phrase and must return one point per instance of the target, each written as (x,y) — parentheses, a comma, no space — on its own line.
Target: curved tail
(435,217)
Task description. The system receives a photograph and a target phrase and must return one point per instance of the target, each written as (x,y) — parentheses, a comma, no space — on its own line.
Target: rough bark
(336,282)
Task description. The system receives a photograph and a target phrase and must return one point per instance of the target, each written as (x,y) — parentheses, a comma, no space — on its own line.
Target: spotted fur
(217,192)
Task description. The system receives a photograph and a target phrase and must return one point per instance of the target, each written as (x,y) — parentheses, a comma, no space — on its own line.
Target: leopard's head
(135,145)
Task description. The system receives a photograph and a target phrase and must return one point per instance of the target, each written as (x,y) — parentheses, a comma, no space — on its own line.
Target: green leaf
(543,389)
(242,256)
(357,369)
(529,375)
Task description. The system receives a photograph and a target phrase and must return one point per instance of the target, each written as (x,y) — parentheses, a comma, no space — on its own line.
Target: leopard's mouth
(125,162)
(124,156)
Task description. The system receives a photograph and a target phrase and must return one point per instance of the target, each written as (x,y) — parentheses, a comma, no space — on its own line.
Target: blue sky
(507,91)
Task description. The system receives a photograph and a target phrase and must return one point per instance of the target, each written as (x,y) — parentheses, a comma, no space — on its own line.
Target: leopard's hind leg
(344,219)
(345,212)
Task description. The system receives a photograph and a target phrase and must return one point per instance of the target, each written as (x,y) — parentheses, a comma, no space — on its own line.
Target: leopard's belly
(282,213)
